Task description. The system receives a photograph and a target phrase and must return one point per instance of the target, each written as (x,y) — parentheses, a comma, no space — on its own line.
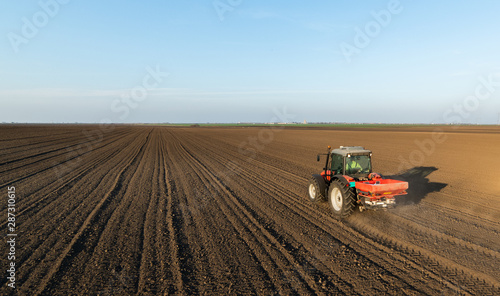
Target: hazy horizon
(250,61)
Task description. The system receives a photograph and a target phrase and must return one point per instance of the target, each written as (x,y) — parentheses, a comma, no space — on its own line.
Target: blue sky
(239,61)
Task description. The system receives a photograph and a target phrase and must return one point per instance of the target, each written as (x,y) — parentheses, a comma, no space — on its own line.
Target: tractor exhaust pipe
(327,157)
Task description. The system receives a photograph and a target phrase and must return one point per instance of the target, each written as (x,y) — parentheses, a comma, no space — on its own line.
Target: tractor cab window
(358,164)
(337,164)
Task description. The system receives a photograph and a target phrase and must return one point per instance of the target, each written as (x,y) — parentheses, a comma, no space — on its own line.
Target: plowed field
(164,211)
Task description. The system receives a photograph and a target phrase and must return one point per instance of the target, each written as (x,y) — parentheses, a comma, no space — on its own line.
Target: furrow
(51,279)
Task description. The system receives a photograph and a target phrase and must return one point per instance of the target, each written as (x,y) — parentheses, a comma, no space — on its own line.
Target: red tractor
(347,182)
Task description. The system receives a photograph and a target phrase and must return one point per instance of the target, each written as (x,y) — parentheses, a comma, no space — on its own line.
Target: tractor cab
(352,161)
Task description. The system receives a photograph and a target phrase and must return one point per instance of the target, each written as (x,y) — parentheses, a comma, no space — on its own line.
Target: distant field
(332,125)
(222,210)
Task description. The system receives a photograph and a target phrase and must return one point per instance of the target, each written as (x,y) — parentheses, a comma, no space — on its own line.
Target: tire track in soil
(275,232)
(259,237)
(59,186)
(90,230)
(33,149)
(114,257)
(148,271)
(458,214)
(427,233)
(475,212)
(42,240)
(32,242)
(252,178)
(43,136)
(291,206)
(463,276)
(197,267)
(122,244)
(53,165)
(185,213)
(33,195)
(169,273)
(471,277)
(63,150)
(261,166)
(472,230)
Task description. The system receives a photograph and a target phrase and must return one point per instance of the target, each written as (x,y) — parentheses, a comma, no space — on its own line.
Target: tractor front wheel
(341,200)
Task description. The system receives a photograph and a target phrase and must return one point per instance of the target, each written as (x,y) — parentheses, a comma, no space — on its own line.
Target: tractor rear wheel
(316,189)
(341,200)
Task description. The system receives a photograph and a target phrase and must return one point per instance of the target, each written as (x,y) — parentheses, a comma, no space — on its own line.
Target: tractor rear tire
(341,199)
(316,189)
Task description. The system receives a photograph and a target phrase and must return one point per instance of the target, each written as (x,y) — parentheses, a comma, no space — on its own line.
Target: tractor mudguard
(345,180)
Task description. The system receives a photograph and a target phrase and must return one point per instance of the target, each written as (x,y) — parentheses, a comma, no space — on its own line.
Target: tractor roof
(350,150)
